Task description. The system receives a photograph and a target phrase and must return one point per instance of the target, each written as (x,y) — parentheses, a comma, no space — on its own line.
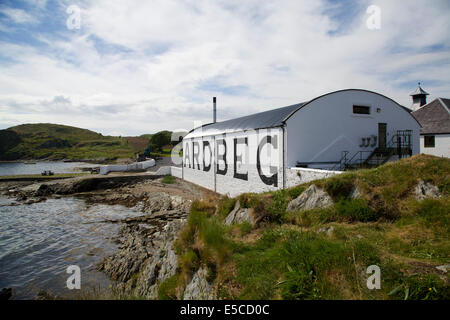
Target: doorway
(382,129)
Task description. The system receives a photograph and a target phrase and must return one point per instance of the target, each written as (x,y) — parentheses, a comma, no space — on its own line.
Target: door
(382,135)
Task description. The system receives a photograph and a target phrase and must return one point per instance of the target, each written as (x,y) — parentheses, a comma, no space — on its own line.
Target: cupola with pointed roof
(419,97)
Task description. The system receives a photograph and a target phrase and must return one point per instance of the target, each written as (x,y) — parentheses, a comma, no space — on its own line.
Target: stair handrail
(343,159)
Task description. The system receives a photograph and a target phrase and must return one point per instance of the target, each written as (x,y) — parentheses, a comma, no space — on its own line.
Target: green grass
(167,289)
(289,264)
(421,287)
(168,180)
(57,142)
(286,257)
(225,206)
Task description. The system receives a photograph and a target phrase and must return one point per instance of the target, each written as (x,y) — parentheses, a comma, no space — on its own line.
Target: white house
(434,118)
(287,146)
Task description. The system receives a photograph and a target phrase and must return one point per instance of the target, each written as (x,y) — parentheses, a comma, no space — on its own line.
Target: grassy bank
(324,253)
(57,142)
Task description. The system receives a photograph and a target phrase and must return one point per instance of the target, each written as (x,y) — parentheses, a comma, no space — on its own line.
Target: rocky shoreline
(146,255)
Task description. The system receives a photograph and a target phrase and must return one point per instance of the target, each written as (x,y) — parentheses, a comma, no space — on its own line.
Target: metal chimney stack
(214,110)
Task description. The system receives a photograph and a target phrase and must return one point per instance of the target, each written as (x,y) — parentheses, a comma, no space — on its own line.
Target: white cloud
(137,67)
(18,15)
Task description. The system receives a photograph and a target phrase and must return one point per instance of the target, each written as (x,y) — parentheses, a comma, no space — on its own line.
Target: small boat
(29,162)
(47,173)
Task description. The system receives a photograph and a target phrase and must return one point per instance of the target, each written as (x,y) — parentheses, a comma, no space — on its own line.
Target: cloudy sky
(135,67)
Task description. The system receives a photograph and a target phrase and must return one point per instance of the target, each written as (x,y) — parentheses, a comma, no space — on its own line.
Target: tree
(160,139)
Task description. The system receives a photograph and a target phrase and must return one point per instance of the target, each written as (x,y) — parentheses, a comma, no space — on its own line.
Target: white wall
(296,176)
(318,132)
(127,167)
(324,128)
(176,172)
(227,176)
(163,171)
(441,147)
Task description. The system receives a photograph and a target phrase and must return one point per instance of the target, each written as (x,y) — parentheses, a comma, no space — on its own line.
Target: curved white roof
(262,120)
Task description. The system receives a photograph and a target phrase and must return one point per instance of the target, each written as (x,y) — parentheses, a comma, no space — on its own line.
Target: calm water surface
(39,241)
(16,168)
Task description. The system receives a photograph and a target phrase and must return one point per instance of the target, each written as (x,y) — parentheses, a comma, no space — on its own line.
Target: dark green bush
(339,187)
(354,210)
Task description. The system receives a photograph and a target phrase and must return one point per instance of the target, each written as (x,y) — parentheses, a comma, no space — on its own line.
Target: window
(429,141)
(361,110)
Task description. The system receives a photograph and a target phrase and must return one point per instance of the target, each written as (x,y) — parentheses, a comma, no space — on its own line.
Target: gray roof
(434,117)
(419,91)
(267,119)
(263,120)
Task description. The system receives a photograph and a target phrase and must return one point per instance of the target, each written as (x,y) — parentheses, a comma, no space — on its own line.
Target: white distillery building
(287,146)
(434,117)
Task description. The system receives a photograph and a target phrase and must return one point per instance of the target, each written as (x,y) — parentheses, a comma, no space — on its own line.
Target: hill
(58,142)
(376,218)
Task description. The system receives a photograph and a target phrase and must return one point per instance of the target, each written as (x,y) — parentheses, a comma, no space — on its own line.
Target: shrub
(354,210)
(339,187)
(225,206)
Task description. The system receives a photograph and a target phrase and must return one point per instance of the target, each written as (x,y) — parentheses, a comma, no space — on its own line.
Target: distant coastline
(53,142)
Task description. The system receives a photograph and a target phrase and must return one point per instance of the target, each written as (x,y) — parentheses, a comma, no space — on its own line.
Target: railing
(399,144)
(359,157)
(401,139)
(341,164)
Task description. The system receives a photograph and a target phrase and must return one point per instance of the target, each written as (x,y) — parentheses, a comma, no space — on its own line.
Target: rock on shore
(311,198)
(145,258)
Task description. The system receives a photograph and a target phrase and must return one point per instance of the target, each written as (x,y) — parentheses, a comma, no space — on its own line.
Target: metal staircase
(399,145)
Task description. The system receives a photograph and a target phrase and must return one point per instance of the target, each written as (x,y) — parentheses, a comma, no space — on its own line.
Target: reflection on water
(39,241)
(16,168)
